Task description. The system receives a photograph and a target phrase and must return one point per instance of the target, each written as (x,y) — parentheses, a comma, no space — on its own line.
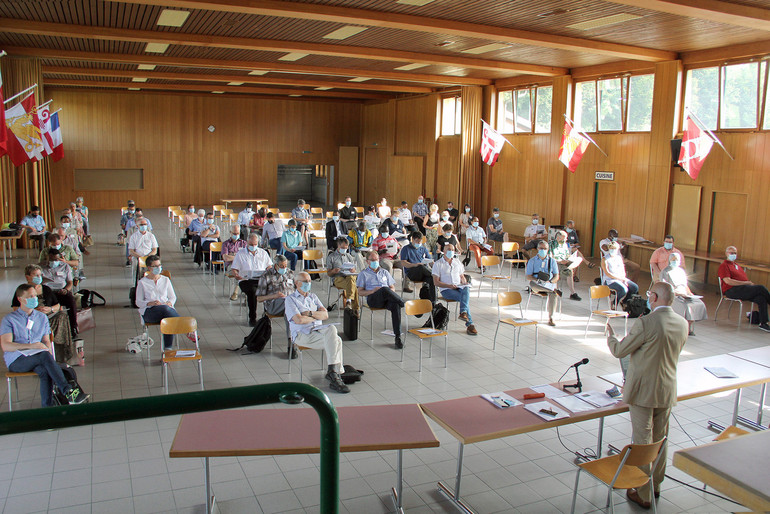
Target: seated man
(197,226)
(291,243)
(447,237)
(34,224)
(615,274)
(301,216)
(257,223)
(386,246)
(341,268)
(209,234)
(57,275)
(155,297)
(661,257)
(495,230)
(560,250)
(348,214)
(420,213)
(405,215)
(736,285)
(395,227)
(383,210)
(372,220)
(142,243)
(306,313)
(275,285)
(449,277)
(272,233)
(71,240)
(139,213)
(415,260)
(127,215)
(229,248)
(68,254)
(533,234)
(248,265)
(334,229)
(25,339)
(632,269)
(453,212)
(543,275)
(686,304)
(477,241)
(360,242)
(378,286)
(572,236)
(245,218)
(81,209)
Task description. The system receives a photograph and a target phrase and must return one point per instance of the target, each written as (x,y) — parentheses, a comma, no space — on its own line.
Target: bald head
(303,276)
(664,293)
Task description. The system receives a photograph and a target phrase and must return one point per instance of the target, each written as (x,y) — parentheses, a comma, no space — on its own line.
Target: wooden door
(604,209)
(374,176)
(728,220)
(347,181)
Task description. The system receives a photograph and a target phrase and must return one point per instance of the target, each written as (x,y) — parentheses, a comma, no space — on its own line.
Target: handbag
(85,320)
(88,241)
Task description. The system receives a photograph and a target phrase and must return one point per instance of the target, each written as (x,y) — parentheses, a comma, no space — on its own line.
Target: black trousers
(753,293)
(386,298)
(422,273)
(420,227)
(202,251)
(67,299)
(249,287)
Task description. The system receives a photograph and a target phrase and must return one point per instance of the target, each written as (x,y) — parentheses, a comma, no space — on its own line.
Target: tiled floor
(124,467)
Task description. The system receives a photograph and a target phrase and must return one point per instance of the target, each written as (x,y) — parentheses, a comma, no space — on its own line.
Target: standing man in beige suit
(654,344)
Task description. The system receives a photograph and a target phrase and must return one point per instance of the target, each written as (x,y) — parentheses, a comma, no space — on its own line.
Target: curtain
(470,159)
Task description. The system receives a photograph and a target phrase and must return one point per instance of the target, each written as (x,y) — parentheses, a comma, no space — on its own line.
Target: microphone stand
(577,385)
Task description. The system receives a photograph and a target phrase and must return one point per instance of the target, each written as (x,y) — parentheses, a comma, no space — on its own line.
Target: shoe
(691,333)
(294,353)
(234,296)
(471,330)
(252,322)
(558,292)
(576,279)
(590,265)
(463,316)
(764,326)
(336,383)
(399,343)
(551,323)
(408,290)
(81,276)
(657,494)
(574,296)
(128,263)
(633,496)
(76,396)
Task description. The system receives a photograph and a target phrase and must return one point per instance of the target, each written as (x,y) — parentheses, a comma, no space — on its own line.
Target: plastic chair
(313,255)
(621,471)
(274,210)
(509,299)
(316,210)
(175,326)
(488,261)
(597,293)
(371,310)
(723,298)
(284,215)
(11,375)
(415,308)
(224,213)
(730,432)
(512,248)
(217,208)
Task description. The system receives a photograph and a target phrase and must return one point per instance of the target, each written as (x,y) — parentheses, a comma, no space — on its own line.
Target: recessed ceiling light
(344,32)
(146,67)
(413,66)
(486,48)
(323,88)
(258,72)
(418,3)
(156,48)
(235,83)
(139,79)
(217,92)
(134,89)
(295,95)
(359,79)
(603,22)
(172,18)
(554,12)
(445,43)
(294,56)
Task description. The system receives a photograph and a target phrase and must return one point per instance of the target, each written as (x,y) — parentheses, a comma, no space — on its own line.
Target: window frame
(625,96)
(457,120)
(533,90)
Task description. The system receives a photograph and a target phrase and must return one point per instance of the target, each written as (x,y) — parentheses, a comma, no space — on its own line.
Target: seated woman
(477,241)
(431,225)
(686,304)
(372,220)
(155,297)
(614,274)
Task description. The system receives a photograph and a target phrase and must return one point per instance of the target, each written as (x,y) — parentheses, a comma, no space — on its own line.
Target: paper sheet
(428,331)
(501,400)
(573,404)
(185,353)
(549,390)
(596,398)
(534,408)
(720,372)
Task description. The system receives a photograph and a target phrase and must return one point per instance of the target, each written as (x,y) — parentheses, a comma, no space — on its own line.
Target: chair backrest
(417,307)
(490,260)
(172,208)
(316,210)
(312,255)
(508,298)
(315,225)
(329,214)
(721,295)
(142,262)
(599,292)
(180,325)
(274,210)
(340,205)
(218,208)
(233,216)
(284,215)
(510,246)
(215,247)
(642,454)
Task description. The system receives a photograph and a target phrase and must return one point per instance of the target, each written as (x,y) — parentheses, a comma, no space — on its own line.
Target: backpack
(258,337)
(312,265)
(350,324)
(87,298)
(72,380)
(636,306)
(440,316)
(351,374)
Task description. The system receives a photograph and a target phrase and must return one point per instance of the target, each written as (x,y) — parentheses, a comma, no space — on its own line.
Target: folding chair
(509,299)
(723,298)
(15,376)
(176,326)
(597,293)
(415,308)
(513,249)
(486,262)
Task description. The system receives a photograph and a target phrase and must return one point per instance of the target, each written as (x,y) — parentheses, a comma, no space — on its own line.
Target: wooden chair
(224,213)
(416,308)
(15,376)
(597,293)
(316,211)
(329,215)
(313,255)
(371,310)
(513,249)
(543,300)
(217,208)
(621,471)
(723,298)
(284,215)
(359,212)
(274,210)
(215,247)
(510,299)
(177,326)
(316,226)
(730,432)
(171,209)
(486,262)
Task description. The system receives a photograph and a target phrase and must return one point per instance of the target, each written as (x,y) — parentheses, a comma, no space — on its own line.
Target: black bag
(636,306)
(351,374)
(72,380)
(350,324)
(88,298)
(258,337)
(184,243)
(312,265)
(467,259)
(440,315)
(132,297)
(424,292)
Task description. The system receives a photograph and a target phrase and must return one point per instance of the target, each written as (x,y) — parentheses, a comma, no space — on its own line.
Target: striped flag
(44,115)
(573,146)
(57,144)
(25,141)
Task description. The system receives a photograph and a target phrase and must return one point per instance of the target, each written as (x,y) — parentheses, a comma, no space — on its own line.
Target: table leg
(397,491)
(599,439)
(455,496)
(5,264)
(210,498)
(758,424)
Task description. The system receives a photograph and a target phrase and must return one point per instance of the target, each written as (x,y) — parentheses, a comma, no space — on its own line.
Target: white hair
(201,212)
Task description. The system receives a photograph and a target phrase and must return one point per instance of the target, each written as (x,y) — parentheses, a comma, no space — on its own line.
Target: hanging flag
(3,136)
(44,115)
(25,142)
(573,146)
(57,144)
(696,145)
(491,144)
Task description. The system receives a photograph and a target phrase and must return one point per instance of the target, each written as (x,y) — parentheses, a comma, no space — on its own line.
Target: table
(759,356)
(243,200)
(289,431)
(736,467)
(473,419)
(6,240)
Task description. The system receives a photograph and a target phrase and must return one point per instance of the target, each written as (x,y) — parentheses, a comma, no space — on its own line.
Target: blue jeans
(623,291)
(293,256)
(462,296)
(275,244)
(47,369)
(155,314)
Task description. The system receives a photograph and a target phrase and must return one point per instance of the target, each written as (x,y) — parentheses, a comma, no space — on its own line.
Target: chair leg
(200,373)
(494,341)
(536,334)
(446,351)
(165,377)
(419,366)
(575,490)
(300,366)
(10,398)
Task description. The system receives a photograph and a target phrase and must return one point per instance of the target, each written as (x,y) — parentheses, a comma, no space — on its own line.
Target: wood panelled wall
(183,162)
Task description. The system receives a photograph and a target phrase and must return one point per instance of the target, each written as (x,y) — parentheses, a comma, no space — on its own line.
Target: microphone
(580,363)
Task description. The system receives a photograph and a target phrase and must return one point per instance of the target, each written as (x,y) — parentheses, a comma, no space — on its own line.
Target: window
(615,104)
(739,96)
(519,110)
(451,119)
(702,95)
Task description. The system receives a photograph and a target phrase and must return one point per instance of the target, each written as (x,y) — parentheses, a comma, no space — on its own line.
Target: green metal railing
(199,401)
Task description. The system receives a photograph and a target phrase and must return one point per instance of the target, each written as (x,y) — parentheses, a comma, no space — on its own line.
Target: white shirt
(142,243)
(246,262)
(274,230)
(296,303)
(448,272)
(244,217)
(147,290)
(476,234)
(406,216)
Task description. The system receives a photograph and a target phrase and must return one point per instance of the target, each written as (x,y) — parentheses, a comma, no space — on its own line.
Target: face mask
(419,200)
(305,287)
(613,238)
(450,254)
(475,224)
(417,245)
(234,237)
(394,219)
(384,234)
(142,228)
(253,248)
(732,256)
(445,218)
(65,225)
(292,229)
(336,218)
(55,264)
(343,251)
(467,209)
(210,221)
(347,204)
(37,280)
(31,303)
(156,270)
(448,235)
(542,253)
(281,271)
(191,210)
(674,263)
(374,265)
(58,247)
(649,305)
(668,246)
(496,215)
(200,218)
(534,222)
(130,211)
(568,230)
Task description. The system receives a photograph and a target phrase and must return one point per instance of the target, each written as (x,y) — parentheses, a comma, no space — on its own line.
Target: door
(375,176)
(728,220)
(604,208)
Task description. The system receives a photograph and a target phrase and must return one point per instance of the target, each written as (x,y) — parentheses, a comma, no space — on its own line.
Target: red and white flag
(3,137)
(696,145)
(44,115)
(57,144)
(491,144)
(573,146)
(25,141)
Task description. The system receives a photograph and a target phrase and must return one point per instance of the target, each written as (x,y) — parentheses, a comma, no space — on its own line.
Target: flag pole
(572,123)
(30,88)
(711,134)
(3,53)
(505,138)
(37,108)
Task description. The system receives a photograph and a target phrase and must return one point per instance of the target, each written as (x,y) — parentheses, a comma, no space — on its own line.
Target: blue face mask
(475,224)
(343,251)
(210,221)
(156,270)
(347,204)
(58,247)
(142,228)
(374,265)
(292,229)
(384,234)
(305,287)
(542,253)
(417,245)
(394,220)
(449,254)
(281,271)
(253,248)
(65,225)
(55,264)
(732,256)
(234,237)
(31,303)
(336,218)
(192,210)
(568,230)
(419,200)
(668,246)
(37,280)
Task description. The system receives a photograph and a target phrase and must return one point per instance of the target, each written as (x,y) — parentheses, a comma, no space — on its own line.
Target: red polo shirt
(731,270)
